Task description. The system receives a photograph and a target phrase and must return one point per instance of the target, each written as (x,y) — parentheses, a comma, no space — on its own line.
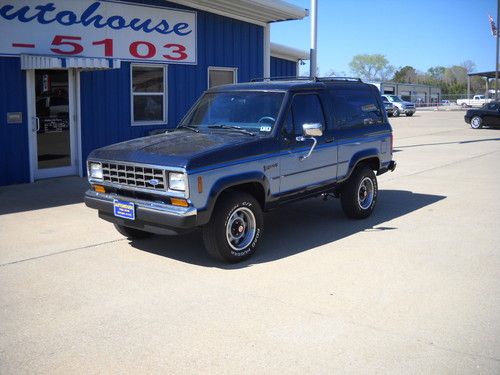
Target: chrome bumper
(150,216)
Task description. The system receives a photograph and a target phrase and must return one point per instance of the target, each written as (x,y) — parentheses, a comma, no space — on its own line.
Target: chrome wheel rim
(241,228)
(475,122)
(366,193)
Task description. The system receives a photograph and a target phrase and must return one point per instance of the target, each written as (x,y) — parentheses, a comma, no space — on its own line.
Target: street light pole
(496,69)
(314,32)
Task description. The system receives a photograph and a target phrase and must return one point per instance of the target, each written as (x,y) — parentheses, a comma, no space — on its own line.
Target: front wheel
(359,195)
(132,233)
(236,226)
(396,112)
(476,122)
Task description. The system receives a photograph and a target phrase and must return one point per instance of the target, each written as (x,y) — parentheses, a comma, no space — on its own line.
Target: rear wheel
(132,233)
(359,196)
(236,226)
(476,122)
(409,114)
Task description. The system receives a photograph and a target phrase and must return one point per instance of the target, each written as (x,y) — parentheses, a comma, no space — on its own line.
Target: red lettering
(62,40)
(179,50)
(108,46)
(151,50)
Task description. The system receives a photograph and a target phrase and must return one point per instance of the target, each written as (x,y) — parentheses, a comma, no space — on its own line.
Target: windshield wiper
(192,128)
(232,127)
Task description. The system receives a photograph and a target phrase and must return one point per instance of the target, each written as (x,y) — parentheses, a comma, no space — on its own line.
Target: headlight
(177,181)
(95,170)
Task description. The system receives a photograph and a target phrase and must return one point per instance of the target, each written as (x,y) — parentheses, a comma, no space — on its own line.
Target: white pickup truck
(476,101)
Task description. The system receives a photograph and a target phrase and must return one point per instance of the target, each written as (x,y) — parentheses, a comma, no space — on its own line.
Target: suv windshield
(394,98)
(251,111)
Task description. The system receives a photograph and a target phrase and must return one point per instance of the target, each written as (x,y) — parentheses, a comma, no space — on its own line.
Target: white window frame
(164,93)
(222,68)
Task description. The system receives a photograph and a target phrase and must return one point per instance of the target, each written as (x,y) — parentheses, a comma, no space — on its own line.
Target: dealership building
(78,75)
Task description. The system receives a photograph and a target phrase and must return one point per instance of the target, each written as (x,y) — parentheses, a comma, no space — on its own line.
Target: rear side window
(306,109)
(355,107)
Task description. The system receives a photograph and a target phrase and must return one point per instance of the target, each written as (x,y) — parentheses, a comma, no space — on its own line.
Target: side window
(354,107)
(306,109)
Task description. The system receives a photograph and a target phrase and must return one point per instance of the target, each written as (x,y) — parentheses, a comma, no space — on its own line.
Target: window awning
(52,62)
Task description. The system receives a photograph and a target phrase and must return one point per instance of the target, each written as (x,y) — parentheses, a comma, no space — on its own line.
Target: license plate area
(124,209)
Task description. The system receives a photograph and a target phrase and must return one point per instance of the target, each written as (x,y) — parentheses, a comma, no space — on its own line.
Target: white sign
(103,29)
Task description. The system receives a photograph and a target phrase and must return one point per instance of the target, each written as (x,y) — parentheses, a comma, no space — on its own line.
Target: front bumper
(154,217)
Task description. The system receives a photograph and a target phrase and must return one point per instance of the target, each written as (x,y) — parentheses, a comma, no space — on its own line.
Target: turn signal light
(179,202)
(99,188)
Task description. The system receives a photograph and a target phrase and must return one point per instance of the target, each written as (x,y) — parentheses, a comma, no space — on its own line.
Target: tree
(371,67)
(407,74)
(468,65)
(436,73)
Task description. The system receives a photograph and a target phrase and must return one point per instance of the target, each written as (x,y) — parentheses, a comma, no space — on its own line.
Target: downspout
(267,51)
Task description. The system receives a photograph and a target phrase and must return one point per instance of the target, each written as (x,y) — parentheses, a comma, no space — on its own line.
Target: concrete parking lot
(413,289)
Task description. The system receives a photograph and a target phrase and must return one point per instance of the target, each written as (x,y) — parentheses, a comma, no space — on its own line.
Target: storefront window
(148,94)
(221,76)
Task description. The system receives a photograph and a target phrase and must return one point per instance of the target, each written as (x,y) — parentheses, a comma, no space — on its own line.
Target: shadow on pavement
(398,149)
(295,228)
(41,194)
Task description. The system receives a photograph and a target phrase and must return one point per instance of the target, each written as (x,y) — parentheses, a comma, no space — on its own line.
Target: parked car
(241,150)
(487,115)
(400,106)
(476,101)
(389,108)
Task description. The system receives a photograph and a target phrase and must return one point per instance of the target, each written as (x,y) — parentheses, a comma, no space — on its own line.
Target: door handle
(37,123)
(329,140)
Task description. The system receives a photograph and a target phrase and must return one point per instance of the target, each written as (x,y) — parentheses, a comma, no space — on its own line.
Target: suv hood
(185,149)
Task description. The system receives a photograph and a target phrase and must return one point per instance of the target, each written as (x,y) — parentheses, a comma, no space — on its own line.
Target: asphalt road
(413,289)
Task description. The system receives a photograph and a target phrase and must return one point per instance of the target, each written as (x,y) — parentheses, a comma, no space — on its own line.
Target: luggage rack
(298,78)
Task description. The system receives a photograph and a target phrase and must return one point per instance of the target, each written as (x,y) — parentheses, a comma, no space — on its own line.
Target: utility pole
(496,70)
(314,31)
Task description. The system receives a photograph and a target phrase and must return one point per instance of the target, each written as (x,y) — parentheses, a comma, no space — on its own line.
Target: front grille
(134,175)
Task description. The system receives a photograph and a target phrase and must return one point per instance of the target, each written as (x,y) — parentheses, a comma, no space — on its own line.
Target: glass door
(54,128)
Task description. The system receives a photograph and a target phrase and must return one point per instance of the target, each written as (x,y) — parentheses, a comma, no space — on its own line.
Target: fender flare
(357,158)
(224,183)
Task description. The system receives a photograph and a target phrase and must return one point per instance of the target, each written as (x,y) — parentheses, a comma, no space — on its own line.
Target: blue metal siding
(105,95)
(14,146)
(283,68)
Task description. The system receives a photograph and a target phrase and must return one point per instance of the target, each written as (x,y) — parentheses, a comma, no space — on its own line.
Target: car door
(296,172)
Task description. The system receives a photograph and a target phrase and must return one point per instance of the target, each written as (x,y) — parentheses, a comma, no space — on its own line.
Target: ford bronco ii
(241,150)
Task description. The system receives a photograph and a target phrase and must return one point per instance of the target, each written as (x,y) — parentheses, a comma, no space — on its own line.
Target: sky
(421,33)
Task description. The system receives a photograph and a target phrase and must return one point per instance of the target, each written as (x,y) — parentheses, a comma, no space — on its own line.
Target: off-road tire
(132,233)
(476,122)
(215,233)
(352,190)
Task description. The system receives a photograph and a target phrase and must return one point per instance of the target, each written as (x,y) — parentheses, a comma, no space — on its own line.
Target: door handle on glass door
(37,123)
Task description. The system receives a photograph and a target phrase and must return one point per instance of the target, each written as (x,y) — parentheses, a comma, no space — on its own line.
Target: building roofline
(260,12)
(288,53)
(483,74)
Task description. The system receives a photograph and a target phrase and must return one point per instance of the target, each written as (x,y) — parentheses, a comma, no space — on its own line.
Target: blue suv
(244,149)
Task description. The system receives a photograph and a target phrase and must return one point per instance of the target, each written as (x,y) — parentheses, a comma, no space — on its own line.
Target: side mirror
(310,131)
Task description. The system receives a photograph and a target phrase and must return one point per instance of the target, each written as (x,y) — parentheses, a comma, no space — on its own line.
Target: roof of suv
(285,85)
